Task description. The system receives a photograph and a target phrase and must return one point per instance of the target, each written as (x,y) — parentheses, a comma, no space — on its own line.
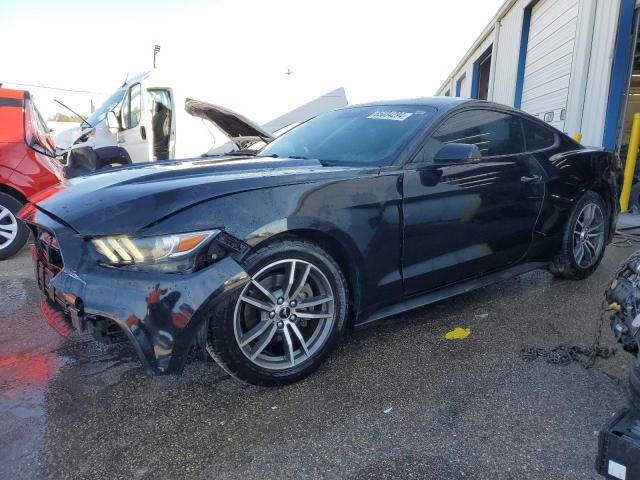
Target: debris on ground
(458,333)
(565,354)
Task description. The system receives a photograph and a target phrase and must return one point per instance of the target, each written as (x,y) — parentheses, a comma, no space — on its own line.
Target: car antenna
(84,120)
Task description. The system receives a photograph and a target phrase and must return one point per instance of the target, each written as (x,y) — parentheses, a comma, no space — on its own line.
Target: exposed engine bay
(619,445)
(623,296)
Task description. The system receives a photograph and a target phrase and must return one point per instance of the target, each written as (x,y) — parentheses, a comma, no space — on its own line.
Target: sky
(236,52)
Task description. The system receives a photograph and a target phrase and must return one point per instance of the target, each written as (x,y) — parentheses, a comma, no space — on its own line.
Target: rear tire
(266,334)
(13,233)
(583,240)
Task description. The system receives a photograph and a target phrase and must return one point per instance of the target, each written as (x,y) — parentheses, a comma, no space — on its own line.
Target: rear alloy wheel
(584,239)
(588,235)
(13,233)
(282,324)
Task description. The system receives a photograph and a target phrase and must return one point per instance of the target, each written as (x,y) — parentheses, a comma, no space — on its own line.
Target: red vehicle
(27,164)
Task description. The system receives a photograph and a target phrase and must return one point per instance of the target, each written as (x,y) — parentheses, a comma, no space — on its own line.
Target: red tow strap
(55,318)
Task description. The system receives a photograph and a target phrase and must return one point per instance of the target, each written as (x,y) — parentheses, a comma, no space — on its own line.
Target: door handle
(532,179)
(121,139)
(143,133)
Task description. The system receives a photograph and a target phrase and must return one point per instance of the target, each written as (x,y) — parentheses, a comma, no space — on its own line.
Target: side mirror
(456,153)
(112,122)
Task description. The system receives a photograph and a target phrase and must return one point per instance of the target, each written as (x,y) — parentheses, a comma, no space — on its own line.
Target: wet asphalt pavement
(396,400)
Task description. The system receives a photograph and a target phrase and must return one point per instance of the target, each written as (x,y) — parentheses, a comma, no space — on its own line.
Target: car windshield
(109,104)
(369,135)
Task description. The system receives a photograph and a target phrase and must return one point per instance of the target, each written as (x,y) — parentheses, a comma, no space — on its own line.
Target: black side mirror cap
(456,153)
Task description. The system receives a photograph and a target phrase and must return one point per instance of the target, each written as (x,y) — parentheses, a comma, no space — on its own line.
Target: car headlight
(175,252)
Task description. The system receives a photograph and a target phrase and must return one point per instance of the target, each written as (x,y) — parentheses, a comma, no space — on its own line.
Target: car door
(134,135)
(467,219)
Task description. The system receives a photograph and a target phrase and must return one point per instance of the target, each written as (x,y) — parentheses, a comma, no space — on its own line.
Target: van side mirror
(112,122)
(457,153)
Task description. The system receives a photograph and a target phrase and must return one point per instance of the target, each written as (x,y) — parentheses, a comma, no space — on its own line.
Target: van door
(134,136)
(163,123)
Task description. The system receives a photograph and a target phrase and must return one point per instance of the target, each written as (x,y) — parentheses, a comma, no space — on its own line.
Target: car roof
(11,93)
(442,104)
(439,103)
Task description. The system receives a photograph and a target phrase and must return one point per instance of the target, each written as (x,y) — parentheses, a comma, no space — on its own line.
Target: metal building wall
(467,69)
(507,55)
(550,55)
(590,69)
(597,93)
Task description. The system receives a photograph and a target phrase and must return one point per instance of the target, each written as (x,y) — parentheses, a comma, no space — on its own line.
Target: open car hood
(240,130)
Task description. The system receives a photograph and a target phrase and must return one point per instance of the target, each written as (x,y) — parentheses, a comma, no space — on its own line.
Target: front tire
(584,239)
(282,325)
(13,233)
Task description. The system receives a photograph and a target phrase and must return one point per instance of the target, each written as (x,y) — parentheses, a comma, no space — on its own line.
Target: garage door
(549,56)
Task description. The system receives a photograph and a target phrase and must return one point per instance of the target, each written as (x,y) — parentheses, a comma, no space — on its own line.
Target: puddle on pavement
(23,380)
(27,378)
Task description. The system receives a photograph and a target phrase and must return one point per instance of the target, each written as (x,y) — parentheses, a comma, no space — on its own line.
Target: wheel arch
(605,181)
(4,188)
(345,257)
(573,174)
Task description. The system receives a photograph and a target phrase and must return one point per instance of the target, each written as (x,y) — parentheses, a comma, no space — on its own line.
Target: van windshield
(110,103)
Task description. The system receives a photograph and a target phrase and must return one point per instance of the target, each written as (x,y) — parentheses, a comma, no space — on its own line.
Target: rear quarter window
(538,137)
(494,133)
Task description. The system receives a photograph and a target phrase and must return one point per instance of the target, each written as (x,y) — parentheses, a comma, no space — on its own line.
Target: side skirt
(451,291)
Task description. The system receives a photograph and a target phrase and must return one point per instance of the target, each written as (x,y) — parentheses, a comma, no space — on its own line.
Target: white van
(147,117)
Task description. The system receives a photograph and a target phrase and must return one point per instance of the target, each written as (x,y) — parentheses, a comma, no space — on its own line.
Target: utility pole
(156,50)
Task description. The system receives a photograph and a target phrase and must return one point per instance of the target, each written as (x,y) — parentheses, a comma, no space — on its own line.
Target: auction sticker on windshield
(390,115)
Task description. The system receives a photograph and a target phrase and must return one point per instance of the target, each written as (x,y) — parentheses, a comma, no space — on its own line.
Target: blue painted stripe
(619,74)
(522,59)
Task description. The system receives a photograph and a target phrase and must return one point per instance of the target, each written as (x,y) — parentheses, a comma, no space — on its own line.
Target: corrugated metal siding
(556,81)
(507,56)
(549,58)
(467,70)
(595,106)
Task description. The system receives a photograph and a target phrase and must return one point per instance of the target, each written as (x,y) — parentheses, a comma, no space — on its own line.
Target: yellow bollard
(577,137)
(630,164)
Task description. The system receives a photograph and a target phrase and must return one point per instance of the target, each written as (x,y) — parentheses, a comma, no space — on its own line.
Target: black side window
(538,137)
(494,133)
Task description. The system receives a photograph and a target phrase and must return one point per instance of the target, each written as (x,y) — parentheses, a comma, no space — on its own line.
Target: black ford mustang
(356,215)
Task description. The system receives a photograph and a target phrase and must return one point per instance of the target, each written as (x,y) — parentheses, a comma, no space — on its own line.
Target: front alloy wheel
(285,320)
(284,315)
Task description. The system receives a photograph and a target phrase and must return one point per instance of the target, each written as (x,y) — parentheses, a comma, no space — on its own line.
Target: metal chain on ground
(626,237)
(564,354)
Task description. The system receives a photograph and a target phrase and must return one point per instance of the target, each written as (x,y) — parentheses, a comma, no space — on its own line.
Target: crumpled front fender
(160,313)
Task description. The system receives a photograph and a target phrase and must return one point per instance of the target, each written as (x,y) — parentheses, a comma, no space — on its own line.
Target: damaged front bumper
(162,314)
